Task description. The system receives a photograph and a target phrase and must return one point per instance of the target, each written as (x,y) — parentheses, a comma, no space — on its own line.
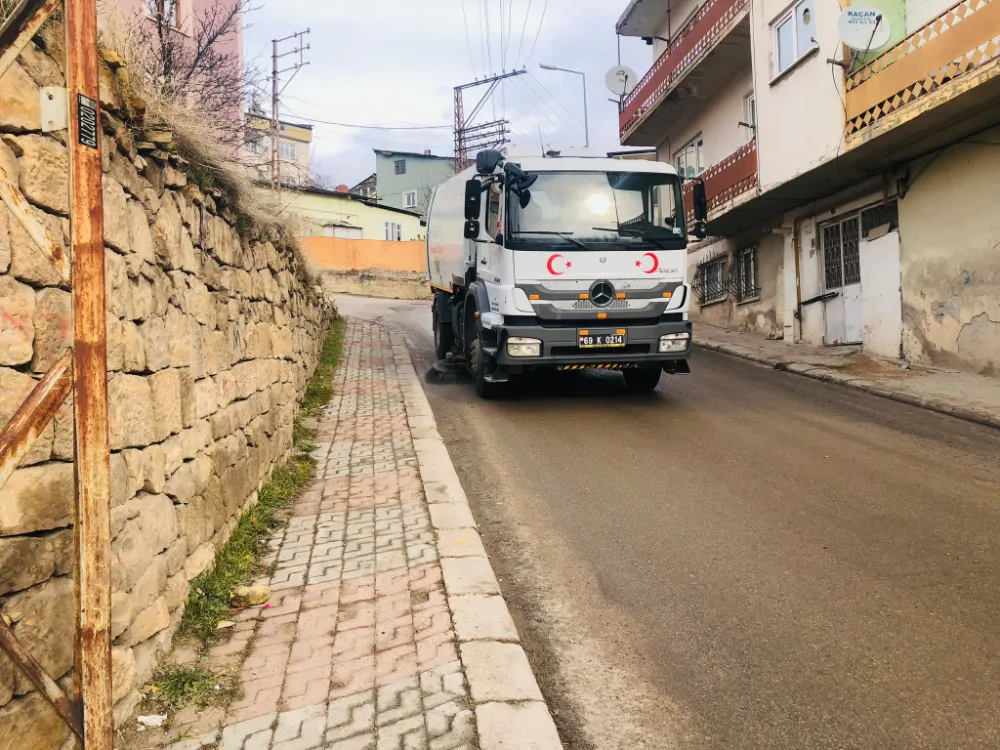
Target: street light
(586,122)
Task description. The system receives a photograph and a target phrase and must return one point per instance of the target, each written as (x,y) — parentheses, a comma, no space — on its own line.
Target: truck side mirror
(473,200)
(700,202)
(472,229)
(487,161)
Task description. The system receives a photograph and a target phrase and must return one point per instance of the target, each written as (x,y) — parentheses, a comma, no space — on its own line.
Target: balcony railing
(732,176)
(687,47)
(961,39)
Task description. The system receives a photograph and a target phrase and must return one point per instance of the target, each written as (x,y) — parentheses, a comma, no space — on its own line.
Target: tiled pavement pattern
(386,628)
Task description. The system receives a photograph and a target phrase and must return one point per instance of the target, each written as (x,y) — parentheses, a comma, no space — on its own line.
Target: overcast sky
(395,62)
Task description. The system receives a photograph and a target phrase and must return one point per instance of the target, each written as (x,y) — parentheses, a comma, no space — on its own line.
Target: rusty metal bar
(24,22)
(47,687)
(20,209)
(34,415)
(90,379)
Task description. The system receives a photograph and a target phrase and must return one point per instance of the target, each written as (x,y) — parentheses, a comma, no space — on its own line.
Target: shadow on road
(550,385)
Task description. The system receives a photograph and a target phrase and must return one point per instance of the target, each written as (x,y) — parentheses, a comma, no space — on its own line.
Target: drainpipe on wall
(797,251)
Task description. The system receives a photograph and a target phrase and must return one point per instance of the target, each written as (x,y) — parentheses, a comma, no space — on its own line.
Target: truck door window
(493,211)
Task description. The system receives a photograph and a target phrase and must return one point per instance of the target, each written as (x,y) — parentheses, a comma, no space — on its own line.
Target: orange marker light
(584,296)
(601,316)
(532,296)
(620,295)
(584,333)
(667,295)
(620,331)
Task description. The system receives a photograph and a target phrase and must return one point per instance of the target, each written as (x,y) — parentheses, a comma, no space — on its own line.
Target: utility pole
(490,134)
(276,90)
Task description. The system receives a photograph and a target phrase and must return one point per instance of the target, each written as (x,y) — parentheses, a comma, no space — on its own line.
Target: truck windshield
(598,211)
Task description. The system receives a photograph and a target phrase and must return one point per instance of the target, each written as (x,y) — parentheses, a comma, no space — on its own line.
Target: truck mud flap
(677,367)
(494,372)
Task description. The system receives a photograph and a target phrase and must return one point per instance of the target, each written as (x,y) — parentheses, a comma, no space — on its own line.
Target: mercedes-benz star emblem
(602,293)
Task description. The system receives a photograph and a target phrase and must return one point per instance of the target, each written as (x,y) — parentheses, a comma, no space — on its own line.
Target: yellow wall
(314,211)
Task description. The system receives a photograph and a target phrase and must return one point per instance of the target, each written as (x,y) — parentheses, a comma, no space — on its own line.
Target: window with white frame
(746,274)
(393,231)
(794,35)
(288,150)
(410,199)
(750,115)
(399,166)
(690,159)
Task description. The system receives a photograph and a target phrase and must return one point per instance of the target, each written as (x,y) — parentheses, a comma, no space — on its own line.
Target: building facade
(367,188)
(847,189)
(406,180)
(294,146)
(338,213)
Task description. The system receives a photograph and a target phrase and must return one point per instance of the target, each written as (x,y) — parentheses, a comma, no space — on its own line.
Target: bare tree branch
(193,60)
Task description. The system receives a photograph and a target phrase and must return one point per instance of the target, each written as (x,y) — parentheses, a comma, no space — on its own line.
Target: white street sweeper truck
(567,263)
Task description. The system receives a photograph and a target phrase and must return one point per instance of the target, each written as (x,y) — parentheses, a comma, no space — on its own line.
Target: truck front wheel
(642,379)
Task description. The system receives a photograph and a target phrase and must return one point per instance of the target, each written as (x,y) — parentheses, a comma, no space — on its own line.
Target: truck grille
(586,304)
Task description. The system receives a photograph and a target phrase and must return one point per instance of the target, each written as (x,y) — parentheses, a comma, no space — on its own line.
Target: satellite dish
(863,29)
(621,80)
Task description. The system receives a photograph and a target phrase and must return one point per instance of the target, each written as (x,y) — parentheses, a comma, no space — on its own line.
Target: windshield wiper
(626,232)
(565,235)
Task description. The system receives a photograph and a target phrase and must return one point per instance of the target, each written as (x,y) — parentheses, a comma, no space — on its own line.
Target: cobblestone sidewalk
(386,627)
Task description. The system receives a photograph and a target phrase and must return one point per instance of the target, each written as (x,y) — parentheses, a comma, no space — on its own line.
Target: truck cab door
(489,255)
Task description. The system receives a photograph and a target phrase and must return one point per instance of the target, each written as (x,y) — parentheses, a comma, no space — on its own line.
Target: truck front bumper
(560,348)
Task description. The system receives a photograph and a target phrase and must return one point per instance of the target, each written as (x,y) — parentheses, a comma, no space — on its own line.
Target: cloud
(397,62)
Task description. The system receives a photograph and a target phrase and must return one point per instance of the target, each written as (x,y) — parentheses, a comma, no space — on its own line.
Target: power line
(482,42)
(537,33)
(520,45)
(558,128)
(544,102)
(468,37)
(367,127)
(489,34)
(555,99)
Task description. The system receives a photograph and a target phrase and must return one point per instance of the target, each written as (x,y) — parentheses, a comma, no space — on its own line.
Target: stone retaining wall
(213,331)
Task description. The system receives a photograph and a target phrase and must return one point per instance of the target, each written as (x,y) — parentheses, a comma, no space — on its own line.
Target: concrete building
(294,143)
(850,194)
(367,188)
(406,180)
(340,213)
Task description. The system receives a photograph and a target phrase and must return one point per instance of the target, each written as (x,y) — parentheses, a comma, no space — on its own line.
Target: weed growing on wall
(238,562)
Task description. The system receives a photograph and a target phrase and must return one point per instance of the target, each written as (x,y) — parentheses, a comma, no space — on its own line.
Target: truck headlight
(518,346)
(674,342)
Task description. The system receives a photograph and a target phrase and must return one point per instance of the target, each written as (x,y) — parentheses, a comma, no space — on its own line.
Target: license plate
(587,339)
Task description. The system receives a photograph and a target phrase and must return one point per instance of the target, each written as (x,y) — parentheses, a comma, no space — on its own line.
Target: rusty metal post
(90,378)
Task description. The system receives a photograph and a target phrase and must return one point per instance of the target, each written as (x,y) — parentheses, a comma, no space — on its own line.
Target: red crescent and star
(656,263)
(552,260)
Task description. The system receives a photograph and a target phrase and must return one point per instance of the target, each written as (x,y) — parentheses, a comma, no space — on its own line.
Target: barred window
(746,274)
(880,215)
(709,283)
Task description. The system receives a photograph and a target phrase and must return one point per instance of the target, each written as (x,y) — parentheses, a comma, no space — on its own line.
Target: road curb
(511,713)
(829,375)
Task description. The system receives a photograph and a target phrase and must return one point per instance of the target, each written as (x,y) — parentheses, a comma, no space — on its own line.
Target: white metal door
(842,272)
(882,306)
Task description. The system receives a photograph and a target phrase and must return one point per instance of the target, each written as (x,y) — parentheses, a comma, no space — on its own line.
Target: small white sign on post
(863,29)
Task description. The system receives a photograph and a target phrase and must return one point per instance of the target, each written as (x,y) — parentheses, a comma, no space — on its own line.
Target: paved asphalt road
(745,559)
